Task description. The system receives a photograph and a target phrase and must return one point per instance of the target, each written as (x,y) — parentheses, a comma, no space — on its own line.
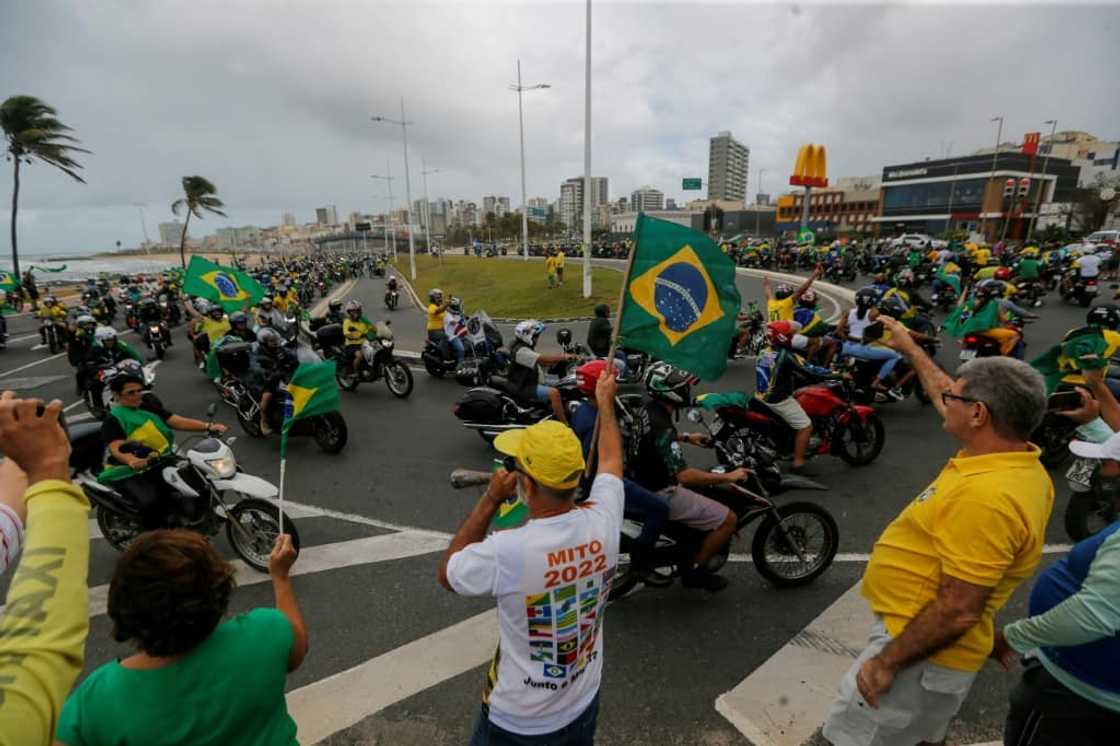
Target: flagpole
(283,465)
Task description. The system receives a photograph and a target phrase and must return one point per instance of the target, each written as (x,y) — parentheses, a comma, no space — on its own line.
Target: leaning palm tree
(32,131)
(200,197)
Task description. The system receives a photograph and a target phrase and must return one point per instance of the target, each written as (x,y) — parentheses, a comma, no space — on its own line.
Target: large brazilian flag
(681,301)
(228,287)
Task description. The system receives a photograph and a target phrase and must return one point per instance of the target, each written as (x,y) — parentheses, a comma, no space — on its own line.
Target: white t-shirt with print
(551,578)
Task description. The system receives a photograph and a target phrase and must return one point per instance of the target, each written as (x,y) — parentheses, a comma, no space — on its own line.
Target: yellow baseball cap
(548,451)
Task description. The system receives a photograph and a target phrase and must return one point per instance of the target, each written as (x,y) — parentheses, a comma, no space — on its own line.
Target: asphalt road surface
(395,659)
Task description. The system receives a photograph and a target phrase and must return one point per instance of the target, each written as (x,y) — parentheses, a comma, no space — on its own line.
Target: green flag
(313,390)
(230,288)
(48,269)
(681,300)
(964,319)
(8,281)
(1080,350)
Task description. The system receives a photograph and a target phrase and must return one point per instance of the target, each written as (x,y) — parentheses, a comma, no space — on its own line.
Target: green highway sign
(689,184)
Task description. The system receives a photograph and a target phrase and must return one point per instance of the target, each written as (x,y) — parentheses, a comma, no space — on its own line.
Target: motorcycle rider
(137,431)
(239,326)
(78,348)
(851,330)
(211,327)
(391,285)
(272,364)
(524,373)
(454,328)
(1102,321)
(985,315)
(356,328)
(822,345)
(270,316)
(50,312)
(437,306)
(659,466)
(781,299)
(106,350)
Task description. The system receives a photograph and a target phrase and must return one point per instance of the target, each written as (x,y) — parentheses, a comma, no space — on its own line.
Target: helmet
(988,289)
(435,295)
(270,339)
(214,311)
(893,305)
(238,318)
(808,299)
(905,278)
(564,336)
(866,298)
(1003,273)
(527,331)
(779,333)
(670,385)
(353,307)
(783,291)
(456,305)
(50,300)
(587,375)
(105,334)
(202,305)
(86,323)
(266,302)
(1106,315)
(335,305)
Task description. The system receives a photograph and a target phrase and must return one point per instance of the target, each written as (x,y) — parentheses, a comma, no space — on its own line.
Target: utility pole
(389,216)
(1042,187)
(427,211)
(407,185)
(521,126)
(587,163)
(143,227)
(991,178)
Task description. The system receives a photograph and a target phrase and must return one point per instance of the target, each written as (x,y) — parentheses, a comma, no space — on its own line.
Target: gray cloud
(272,100)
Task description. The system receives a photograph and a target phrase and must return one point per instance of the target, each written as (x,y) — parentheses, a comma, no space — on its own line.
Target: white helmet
(105,333)
(528,331)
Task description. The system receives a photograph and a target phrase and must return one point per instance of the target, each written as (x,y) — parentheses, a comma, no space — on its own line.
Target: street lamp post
(761,171)
(143,226)
(587,163)
(427,206)
(407,185)
(389,214)
(1045,161)
(521,126)
(995,157)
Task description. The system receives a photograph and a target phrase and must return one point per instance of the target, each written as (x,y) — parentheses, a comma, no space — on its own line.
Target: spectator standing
(194,679)
(550,269)
(560,266)
(44,626)
(31,288)
(950,560)
(551,578)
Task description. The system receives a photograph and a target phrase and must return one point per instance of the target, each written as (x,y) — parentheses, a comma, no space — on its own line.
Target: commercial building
(831,209)
(969,192)
(647,199)
(728,168)
(170,233)
(326,215)
(624,222)
(232,238)
(539,209)
(1095,159)
(288,220)
(571,201)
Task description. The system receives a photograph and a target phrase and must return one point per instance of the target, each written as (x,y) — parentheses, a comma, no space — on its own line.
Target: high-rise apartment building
(571,200)
(288,220)
(170,233)
(647,199)
(326,215)
(728,166)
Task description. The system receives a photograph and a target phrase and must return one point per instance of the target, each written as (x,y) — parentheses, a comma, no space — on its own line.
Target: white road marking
(70,406)
(857,557)
(25,336)
(80,417)
(31,365)
(339,701)
(314,510)
(40,346)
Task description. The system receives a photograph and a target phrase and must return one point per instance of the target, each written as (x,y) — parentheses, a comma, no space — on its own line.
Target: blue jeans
(579,732)
(653,507)
(457,348)
(890,358)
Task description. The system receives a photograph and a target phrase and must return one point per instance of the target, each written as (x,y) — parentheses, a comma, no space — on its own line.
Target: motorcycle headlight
(225,467)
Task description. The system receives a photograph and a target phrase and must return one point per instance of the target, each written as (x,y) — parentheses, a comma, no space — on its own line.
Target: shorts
(789,409)
(921,702)
(693,509)
(542,393)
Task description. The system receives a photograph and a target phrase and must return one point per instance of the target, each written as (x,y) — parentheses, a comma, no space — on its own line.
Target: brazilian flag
(228,287)
(312,390)
(8,281)
(681,300)
(967,319)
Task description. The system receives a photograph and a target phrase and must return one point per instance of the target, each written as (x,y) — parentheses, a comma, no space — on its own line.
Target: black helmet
(270,339)
(564,336)
(239,318)
(335,305)
(893,305)
(215,311)
(1106,315)
(783,291)
(669,385)
(866,298)
(602,310)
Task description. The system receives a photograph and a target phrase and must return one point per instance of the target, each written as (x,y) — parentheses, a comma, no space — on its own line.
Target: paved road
(376,516)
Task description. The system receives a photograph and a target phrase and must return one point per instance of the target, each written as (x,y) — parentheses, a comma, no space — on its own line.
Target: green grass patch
(513,288)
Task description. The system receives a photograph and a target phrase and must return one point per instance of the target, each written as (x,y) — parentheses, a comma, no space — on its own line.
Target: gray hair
(1014,392)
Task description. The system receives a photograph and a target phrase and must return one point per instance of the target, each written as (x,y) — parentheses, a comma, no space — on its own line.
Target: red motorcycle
(852,432)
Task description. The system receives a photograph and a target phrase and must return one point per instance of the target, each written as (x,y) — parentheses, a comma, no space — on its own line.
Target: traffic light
(1024,186)
(1009,188)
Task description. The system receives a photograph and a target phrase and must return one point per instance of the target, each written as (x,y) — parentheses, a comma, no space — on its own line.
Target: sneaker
(895,394)
(708,581)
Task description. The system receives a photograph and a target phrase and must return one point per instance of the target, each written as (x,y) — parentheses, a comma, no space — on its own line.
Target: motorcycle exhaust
(461,478)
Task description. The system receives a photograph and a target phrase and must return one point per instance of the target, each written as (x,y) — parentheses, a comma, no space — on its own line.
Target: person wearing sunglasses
(942,569)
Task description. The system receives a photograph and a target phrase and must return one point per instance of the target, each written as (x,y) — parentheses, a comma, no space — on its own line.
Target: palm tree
(200,197)
(32,131)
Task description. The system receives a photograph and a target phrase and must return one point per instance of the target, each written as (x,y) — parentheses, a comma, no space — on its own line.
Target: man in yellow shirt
(780,301)
(437,305)
(560,266)
(550,269)
(943,568)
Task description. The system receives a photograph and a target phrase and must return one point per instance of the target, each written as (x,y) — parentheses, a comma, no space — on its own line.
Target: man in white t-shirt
(551,578)
(1089,265)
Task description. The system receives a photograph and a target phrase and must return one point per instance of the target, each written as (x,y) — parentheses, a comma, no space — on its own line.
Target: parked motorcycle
(377,360)
(207,488)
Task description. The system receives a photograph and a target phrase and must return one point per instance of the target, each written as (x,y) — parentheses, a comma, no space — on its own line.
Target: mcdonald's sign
(1030,142)
(811,169)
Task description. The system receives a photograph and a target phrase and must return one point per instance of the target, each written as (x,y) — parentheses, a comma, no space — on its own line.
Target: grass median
(513,288)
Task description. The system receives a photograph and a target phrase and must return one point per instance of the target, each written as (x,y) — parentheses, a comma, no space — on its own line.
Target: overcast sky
(271,100)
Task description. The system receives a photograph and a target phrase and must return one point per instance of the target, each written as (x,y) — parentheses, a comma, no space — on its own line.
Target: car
(917,240)
(1110,237)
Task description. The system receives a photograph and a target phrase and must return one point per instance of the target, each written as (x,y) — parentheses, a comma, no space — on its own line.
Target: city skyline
(275,127)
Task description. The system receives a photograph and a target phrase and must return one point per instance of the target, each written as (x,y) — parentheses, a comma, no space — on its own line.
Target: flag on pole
(228,287)
(8,281)
(312,390)
(680,304)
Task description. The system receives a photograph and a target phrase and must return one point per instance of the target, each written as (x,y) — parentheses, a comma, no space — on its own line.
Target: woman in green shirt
(194,679)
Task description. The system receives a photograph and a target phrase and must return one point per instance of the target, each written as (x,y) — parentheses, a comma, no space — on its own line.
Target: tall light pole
(143,225)
(761,171)
(521,124)
(385,226)
(389,215)
(1045,161)
(995,157)
(407,185)
(427,205)
(587,163)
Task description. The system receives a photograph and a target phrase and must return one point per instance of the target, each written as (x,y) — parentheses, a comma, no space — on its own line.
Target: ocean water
(80,269)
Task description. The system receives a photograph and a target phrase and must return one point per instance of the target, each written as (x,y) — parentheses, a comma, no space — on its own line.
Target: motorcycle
(392,297)
(1082,290)
(158,338)
(483,354)
(132,315)
(491,410)
(1093,502)
(755,325)
(99,403)
(329,430)
(54,334)
(377,360)
(852,432)
(945,298)
(172,315)
(209,490)
(1031,292)
(793,546)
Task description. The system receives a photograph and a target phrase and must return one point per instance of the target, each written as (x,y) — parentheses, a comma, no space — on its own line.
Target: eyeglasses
(946,396)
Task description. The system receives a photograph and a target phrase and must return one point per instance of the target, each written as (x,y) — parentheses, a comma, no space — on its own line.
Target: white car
(918,240)
(1112,238)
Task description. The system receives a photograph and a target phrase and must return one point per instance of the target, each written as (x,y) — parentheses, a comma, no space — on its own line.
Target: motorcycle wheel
(251,425)
(158,348)
(398,379)
(1089,512)
(52,341)
(435,370)
(1053,440)
(807,527)
(260,526)
(330,432)
(347,379)
(119,530)
(858,444)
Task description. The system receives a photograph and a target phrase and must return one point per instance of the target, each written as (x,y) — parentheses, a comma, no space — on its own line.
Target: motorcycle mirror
(695,416)
(211,410)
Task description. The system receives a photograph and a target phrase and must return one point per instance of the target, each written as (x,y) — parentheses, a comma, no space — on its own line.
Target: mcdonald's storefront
(969,192)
